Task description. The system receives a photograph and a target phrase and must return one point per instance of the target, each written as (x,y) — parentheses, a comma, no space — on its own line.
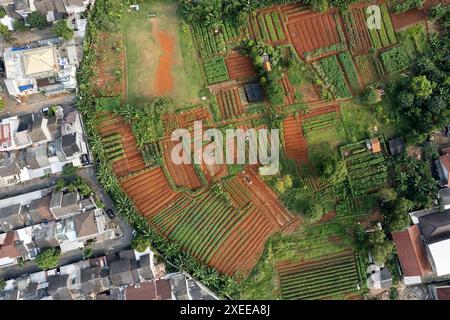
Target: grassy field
(360,121)
(143,52)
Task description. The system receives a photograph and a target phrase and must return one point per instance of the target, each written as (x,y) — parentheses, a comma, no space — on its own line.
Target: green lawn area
(143,52)
(360,121)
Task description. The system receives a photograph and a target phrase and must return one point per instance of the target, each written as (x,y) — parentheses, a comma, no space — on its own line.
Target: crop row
(395,59)
(200,225)
(350,70)
(216,70)
(208,43)
(334,76)
(320,281)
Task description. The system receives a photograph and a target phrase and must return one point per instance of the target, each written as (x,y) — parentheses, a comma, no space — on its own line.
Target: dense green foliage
(62,30)
(406,5)
(421,101)
(216,70)
(37,20)
(379,246)
(413,180)
(395,213)
(48,259)
(141,243)
(395,59)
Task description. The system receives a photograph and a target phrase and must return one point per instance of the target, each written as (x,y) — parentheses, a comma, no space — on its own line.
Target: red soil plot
(239,66)
(310,30)
(322,110)
(132,160)
(358,31)
(163,81)
(242,249)
(150,191)
(289,94)
(213,171)
(185,119)
(266,200)
(296,145)
(408,18)
(230,103)
(109,62)
(309,92)
(183,175)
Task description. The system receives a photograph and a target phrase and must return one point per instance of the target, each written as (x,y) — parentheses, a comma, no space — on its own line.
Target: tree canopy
(63,30)
(395,213)
(37,20)
(379,246)
(421,100)
(48,259)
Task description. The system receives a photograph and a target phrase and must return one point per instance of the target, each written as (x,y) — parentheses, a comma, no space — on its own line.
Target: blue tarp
(25,87)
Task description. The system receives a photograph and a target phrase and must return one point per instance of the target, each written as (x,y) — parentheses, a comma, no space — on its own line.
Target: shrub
(37,20)
(62,30)
(19,25)
(48,259)
(140,243)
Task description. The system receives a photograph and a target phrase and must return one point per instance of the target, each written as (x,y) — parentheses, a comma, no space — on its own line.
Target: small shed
(374,145)
(396,146)
(254,93)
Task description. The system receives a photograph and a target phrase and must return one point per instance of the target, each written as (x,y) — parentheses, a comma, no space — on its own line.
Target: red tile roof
(411,252)
(443,293)
(8,249)
(155,290)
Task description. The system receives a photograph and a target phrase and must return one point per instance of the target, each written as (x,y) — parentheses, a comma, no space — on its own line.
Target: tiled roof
(411,252)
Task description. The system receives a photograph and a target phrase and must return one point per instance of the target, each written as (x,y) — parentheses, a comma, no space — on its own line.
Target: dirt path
(163,81)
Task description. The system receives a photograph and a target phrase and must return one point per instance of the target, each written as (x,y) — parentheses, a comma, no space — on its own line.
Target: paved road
(13,109)
(100,249)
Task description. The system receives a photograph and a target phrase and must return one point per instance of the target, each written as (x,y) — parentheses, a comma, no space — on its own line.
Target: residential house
(63,205)
(9,254)
(412,255)
(39,211)
(435,230)
(106,278)
(9,171)
(11,218)
(379,278)
(443,167)
(59,9)
(444,198)
(440,292)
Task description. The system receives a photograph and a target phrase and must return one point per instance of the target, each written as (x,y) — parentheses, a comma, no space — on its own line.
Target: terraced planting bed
(125,156)
(230,103)
(239,66)
(216,70)
(385,36)
(149,190)
(395,59)
(332,276)
(367,170)
(329,69)
(204,223)
(267,26)
(208,44)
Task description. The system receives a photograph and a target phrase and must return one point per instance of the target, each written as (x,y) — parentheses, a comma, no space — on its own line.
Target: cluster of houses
(128,275)
(46,68)
(41,70)
(53,10)
(33,222)
(36,145)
